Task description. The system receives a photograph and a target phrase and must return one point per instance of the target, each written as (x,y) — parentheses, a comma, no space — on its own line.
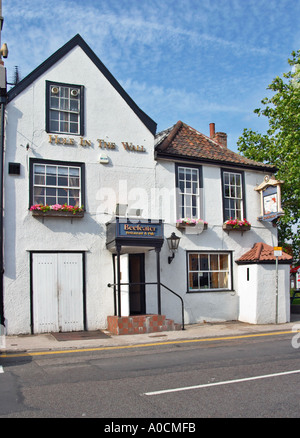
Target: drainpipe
(3,97)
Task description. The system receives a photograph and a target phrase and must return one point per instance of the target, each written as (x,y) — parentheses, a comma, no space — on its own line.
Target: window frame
(243,199)
(211,290)
(49,84)
(200,186)
(33,161)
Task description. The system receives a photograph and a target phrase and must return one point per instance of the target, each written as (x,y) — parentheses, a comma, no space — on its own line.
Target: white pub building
(109,225)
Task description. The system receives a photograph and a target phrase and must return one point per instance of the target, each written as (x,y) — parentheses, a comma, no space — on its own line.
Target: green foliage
(280,146)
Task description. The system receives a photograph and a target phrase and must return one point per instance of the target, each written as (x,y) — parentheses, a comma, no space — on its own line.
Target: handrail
(163,285)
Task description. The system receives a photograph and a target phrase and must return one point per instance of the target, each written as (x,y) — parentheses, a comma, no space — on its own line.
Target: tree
(280,146)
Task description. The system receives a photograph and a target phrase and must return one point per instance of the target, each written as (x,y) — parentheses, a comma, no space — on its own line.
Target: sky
(198,61)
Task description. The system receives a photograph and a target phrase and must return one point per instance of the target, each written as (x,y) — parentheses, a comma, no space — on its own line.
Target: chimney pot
(212,130)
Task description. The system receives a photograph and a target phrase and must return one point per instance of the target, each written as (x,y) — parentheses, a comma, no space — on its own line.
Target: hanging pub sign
(270,193)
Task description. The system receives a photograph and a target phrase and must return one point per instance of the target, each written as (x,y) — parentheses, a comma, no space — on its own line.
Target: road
(237,378)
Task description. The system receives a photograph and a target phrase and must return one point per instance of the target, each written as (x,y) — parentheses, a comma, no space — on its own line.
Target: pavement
(35,344)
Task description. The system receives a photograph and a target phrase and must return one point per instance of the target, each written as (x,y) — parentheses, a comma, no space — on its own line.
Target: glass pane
(188,174)
(214,262)
(73,117)
(50,191)
(39,195)
(181,173)
(74,201)
(194,175)
(193,262)
(62,192)
(64,126)
(73,128)
(50,200)
(73,105)
(54,102)
(51,175)
(51,180)
(54,126)
(223,280)
(203,262)
(39,179)
(193,280)
(62,200)
(223,261)
(74,193)
(214,277)
(204,280)
(51,170)
(74,171)
(62,181)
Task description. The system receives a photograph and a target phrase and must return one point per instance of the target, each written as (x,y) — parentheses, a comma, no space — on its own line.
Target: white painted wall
(257,297)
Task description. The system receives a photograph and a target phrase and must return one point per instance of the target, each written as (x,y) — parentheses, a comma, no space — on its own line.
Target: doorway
(137,300)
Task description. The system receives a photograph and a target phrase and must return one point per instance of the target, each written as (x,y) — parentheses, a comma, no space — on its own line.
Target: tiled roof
(261,252)
(181,140)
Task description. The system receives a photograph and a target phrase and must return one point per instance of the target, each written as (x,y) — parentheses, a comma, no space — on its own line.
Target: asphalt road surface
(255,377)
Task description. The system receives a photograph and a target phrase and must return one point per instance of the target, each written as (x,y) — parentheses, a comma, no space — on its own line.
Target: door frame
(31,283)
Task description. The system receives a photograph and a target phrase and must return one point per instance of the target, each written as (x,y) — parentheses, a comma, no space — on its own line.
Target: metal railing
(114,285)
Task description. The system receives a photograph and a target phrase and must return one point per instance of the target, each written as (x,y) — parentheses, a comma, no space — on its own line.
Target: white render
(258,301)
(133,178)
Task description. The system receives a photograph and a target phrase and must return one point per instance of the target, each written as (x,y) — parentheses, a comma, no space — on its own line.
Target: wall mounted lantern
(173,243)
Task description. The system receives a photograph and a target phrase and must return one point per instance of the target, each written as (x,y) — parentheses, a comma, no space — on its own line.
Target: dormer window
(64,107)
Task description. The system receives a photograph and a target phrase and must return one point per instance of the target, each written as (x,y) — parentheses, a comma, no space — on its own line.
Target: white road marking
(1,369)
(226,382)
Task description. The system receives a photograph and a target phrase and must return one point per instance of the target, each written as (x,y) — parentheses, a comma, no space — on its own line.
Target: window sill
(53,213)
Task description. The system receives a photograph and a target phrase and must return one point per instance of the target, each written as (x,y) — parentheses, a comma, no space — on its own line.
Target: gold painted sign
(102,144)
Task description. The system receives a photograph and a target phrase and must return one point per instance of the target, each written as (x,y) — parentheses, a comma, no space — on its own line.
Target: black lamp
(173,243)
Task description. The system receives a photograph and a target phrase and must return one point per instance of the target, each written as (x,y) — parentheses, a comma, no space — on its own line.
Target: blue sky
(199,61)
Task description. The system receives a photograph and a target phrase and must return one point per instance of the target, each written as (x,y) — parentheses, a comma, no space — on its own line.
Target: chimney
(221,138)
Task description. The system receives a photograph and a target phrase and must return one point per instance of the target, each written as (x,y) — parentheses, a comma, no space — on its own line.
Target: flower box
(56,210)
(53,213)
(187,222)
(237,225)
(183,225)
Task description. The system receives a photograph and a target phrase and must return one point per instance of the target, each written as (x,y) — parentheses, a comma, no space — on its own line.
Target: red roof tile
(181,140)
(261,252)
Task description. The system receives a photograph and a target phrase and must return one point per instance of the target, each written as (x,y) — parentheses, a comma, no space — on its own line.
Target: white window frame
(188,182)
(233,195)
(206,272)
(40,183)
